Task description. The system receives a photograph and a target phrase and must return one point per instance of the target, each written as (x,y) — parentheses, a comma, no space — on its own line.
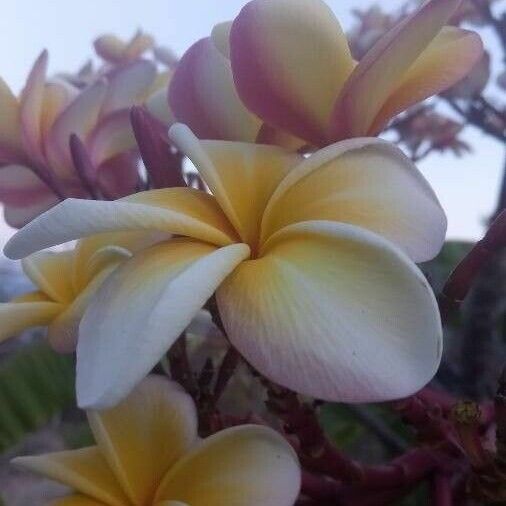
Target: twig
(180,367)
(225,372)
(477,116)
(441,490)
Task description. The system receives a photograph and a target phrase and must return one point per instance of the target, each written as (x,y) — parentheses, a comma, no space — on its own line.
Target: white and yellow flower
(312,261)
(148,453)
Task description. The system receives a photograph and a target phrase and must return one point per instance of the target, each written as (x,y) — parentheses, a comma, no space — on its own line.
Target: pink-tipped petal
(23,195)
(79,117)
(203,96)
(57,96)
(119,176)
(128,86)
(290,59)
(384,66)
(31,105)
(10,126)
(112,136)
(447,60)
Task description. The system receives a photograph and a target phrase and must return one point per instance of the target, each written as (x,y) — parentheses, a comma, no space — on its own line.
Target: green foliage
(418,497)
(35,385)
(77,435)
(340,424)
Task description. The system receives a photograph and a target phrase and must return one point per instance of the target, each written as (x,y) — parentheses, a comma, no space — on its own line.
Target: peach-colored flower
(283,70)
(36,166)
(311,260)
(148,453)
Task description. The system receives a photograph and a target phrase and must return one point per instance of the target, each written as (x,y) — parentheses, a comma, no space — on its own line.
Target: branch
(477,115)
(319,455)
(180,369)
(225,372)
(499,25)
(441,490)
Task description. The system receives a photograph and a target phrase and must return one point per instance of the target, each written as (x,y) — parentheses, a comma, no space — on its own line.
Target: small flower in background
(425,130)
(283,73)
(306,256)
(115,51)
(148,453)
(65,282)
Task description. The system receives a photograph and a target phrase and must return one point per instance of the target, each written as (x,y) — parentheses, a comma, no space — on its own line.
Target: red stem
(441,490)
(461,279)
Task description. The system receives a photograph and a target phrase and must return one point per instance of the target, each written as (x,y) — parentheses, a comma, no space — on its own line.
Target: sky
(466,187)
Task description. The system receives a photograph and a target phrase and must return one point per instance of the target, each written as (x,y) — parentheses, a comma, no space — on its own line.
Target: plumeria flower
(283,71)
(148,453)
(312,262)
(115,51)
(65,282)
(36,166)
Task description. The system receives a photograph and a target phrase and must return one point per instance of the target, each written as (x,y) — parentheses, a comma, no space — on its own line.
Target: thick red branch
(461,279)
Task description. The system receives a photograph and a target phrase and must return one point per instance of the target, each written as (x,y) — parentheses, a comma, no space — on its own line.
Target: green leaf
(35,385)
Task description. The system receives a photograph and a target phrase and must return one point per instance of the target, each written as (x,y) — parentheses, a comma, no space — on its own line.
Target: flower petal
(202,95)
(112,135)
(143,436)
(448,58)
(128,86)
(57,96)
(290,59)
(76,500)
(96,252)
(220,37)
(335,312)
(384,66)
(31,106)
(10,126)
(365,182)
(139,44)
(241,176)
(23,194)
(119,176)
(181,211)
(247,465)
(84,470)
(26,312)
(63,331)
(51,272)
(141,310)
(79,117)
(110,47)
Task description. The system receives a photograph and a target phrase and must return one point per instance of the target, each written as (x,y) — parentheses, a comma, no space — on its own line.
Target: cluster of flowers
(307,228)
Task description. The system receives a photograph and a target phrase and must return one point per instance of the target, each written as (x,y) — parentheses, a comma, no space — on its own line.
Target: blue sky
(467,187)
